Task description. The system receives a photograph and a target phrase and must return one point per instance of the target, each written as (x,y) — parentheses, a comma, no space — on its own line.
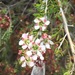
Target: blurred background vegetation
(22,14)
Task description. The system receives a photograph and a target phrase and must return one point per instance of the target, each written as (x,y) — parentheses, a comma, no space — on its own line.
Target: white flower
(21,42)
(24,46)
(47,22)
(36,27)
(47,46)
(51,42)
(29,53)
(43,28)
(31,64)
(41,57)
(37,41)
(39,53)
(22,58)
(25,35)
(34,57)
(36,20)
(23,64)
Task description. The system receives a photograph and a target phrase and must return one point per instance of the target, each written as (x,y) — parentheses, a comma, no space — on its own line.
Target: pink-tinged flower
(25,35)
(31,64)
(24,46)
(31,37)
(47,46)
(34,57)
(21,42)
(29,53)
(44,36)
(47,22)
(22,58)
(20,52)
(23,64)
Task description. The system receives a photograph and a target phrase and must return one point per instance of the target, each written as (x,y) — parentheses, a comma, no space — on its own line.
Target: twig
(62,41)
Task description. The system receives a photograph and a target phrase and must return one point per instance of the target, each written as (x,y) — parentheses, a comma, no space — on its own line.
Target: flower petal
(36,27)
(36,20)
(51,42)
(31,64)
(37,41)
(34,57)
(39,53)
(29,53)
(47,22)
(41,57)
(43,28)
(23,64)
(24,46)
(47,46)
(21,42)
(22,58)
(25,35)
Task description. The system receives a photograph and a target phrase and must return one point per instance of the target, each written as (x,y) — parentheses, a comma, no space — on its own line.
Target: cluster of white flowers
(41,23)
(34,48)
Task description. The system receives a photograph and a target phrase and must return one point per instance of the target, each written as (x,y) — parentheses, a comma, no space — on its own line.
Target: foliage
(22,13)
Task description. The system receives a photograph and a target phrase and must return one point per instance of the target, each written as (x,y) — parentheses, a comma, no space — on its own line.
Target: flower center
(35,47)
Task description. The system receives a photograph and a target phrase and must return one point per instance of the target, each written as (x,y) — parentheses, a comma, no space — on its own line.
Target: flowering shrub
(34,46)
